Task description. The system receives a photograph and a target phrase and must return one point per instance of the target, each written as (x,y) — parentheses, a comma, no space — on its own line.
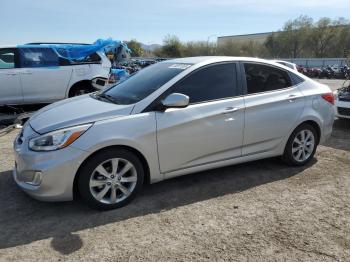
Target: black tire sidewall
(287,155)
(89,166)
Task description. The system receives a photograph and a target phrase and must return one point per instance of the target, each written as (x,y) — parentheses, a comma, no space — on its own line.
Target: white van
(32,74)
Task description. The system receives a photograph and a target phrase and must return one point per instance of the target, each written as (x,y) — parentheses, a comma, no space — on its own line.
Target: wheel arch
(315,125)
(85,82)
(129,148)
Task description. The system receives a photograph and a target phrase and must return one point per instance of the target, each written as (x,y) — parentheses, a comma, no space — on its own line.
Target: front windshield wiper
(106,97)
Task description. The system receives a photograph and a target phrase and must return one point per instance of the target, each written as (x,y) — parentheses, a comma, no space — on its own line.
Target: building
(259,38)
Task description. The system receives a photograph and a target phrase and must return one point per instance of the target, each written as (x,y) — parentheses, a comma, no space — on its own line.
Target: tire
(292,155)
(99,177)
(80,89)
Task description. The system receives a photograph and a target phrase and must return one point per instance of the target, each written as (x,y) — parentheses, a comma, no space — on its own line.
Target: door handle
(292,98)
(11,74)
(230,109)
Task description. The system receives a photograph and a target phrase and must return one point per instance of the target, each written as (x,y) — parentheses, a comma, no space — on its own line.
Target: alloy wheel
(113,181)
(303,145)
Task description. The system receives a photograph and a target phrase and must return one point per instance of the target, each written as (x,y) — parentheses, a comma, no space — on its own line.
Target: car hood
(75,111)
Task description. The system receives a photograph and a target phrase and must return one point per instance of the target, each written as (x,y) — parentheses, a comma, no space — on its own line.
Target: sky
(149,21)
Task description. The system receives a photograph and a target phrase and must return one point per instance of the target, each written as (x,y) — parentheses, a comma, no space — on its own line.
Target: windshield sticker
(180,66)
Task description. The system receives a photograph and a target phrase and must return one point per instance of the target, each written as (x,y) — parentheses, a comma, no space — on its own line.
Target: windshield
(143,83)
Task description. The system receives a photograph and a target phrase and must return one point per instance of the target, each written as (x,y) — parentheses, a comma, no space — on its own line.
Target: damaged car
(47,72)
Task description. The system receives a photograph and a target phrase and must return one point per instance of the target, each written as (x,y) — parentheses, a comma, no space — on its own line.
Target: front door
(43,79)
(210,129)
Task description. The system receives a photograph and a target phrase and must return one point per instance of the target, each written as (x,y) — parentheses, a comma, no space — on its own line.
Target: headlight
(57,139)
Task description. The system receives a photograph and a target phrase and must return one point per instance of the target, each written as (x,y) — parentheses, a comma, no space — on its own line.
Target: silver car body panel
(75,111)
(224,132)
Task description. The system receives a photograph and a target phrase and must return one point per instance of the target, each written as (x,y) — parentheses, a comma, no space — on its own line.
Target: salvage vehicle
(342,102)
(327,72)
(35,73)
(172,118)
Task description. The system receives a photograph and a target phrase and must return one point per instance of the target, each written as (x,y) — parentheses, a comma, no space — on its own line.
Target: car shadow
(340,138)
(24,220)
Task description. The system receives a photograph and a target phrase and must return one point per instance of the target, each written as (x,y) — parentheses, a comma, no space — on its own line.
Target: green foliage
(304,38)
(301,37)
(135,47)
(172,47)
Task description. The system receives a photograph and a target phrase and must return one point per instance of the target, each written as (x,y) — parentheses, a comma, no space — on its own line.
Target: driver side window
(212,82)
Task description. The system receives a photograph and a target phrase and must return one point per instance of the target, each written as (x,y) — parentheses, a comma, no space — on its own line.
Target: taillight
(329,97)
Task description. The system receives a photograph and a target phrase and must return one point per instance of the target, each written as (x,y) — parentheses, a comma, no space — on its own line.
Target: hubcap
(113,181)
(303,145)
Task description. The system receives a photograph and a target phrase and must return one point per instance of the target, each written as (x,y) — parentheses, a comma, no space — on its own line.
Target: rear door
(42,77)
(210,129)
(273,104)
(10,85)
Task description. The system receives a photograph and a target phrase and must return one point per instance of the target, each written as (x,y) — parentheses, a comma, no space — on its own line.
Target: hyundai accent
(173,118)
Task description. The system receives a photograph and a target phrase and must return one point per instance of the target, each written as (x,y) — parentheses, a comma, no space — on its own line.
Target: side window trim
(244,81)
(152,106)
(239,85)
(239,89)
(293,78)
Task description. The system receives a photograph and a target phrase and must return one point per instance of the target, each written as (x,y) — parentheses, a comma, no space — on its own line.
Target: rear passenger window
(209,83)
(38,57)
(296,79)
(93,58)
(7,58)
(263,78)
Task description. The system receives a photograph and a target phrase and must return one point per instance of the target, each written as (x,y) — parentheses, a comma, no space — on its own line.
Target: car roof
(7,46)
(214,59)
(282,61)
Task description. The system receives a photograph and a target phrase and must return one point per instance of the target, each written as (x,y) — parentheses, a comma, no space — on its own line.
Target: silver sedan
(170,119)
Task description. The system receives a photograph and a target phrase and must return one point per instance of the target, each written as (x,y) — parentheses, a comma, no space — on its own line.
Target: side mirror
(175,100)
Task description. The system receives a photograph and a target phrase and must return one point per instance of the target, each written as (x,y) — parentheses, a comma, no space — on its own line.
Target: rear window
(296,79)
(93,58)
(263,78)
(7,58)
(38,57)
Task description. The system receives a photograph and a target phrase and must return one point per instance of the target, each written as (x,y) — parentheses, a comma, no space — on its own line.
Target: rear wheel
(110,179)
(301,145)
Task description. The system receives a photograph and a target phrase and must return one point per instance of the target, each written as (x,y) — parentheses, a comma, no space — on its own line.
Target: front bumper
(342,109)
(56,170)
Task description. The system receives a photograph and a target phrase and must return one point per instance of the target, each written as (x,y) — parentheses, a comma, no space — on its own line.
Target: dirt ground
(260,211)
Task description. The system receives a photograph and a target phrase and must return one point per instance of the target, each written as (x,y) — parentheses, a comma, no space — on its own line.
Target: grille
(344,111)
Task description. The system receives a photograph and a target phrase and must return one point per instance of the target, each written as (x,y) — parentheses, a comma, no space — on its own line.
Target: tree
(273,46)
(172,47)
(198,48)
(292,37)
(135,47)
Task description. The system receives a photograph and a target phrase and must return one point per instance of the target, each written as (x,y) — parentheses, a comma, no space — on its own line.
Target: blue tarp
(120,74)
(77,52)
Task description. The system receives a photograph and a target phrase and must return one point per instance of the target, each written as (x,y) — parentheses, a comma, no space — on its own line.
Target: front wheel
(111,179)
(301,146)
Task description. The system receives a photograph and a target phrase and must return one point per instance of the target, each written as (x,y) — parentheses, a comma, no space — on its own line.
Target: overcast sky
(149,21)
